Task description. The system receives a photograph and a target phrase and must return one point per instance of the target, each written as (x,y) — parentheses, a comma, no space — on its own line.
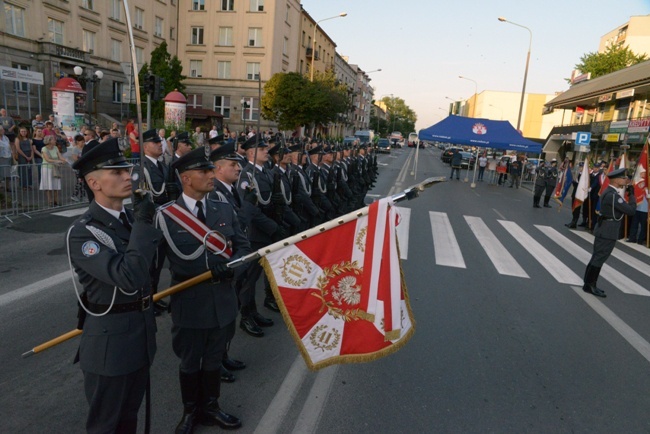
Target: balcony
(309,54)
(63,51)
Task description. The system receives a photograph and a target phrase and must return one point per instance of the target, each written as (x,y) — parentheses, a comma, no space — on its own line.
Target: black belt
(139,305)
(606,219)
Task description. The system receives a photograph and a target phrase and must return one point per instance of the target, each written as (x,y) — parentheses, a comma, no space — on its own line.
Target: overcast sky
(422,46)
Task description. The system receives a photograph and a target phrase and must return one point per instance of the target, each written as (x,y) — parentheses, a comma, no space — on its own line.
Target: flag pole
(408,194)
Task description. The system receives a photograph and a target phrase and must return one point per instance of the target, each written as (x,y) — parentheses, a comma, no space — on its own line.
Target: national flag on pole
(604,180)
(565,181)
(640,179)
(341,292)
(582,191)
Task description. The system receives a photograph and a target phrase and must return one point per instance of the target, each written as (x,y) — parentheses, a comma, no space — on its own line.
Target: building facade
(635,34)
(54,36)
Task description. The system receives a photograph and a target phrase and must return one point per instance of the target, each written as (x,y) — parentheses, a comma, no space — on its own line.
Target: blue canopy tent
(484,133)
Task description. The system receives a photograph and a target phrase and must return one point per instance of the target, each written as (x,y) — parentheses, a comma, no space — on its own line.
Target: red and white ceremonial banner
(341,292)
(582,190)
(640,179)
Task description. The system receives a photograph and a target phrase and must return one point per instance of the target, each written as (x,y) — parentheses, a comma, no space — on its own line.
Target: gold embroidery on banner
(343,292)
(392,335)
(324,337)
(294,269)
(361,239)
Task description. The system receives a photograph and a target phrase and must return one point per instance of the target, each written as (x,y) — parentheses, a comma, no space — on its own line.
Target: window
(251,112)
(225,36)
(19,86)
(55,30)
(194,100)
(88,4)
(223,69)
(285,46)
(257,6)
(116,50)
(118,90)
(222,106)
(227,5)
(15,20)
(303,38)
(252,71)
(139,56)
(139,18)
(116,10)
(197,36)
(286,17)
(172,33)
(89,41)
(301,66)
(198,5)
(254,37)
(158,28)
(196,68)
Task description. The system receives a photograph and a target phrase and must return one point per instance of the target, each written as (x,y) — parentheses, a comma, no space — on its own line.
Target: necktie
(235,194)
(199,214)
(125,221)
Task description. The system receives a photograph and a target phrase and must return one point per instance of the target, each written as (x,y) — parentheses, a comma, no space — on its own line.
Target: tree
(400,117)
(615,57)
(169,69)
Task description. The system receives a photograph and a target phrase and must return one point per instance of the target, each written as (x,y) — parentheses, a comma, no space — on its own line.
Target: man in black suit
(111,250)
(203,315)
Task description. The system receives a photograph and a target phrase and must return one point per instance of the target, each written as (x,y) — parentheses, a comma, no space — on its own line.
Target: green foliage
(400,117)
(615,57)
(291,100)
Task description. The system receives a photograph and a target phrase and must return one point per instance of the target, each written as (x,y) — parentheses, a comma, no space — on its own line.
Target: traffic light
(158,88)
(149,84)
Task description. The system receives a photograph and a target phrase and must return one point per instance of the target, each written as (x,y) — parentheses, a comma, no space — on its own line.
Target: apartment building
(54,36)
(635,34)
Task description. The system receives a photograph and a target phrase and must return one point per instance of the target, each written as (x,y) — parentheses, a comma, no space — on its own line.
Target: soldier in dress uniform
(328,171)
(182,144)
(318,185)
(540,184)
(301,189)
(216,141)
(156,173)
(612,210)
(550,182)
(241,152)
(203,315)
(342,179)
(262,229)
(111,250)
(364,177)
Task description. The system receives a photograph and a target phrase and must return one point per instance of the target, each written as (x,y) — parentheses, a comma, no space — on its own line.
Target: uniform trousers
(201,349)
(249,283)
(114,400)
(603,247)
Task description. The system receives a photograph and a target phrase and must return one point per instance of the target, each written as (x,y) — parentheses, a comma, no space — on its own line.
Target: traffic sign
(583,138)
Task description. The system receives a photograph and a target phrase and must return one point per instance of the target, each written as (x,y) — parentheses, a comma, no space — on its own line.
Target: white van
(413,140)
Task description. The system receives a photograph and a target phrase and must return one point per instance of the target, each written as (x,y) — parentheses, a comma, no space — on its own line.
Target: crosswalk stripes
(556,268)
(502,260)
(619,254)
(403,231)
(445,246)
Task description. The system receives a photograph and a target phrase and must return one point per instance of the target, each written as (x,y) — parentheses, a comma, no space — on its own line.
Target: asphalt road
(505,341)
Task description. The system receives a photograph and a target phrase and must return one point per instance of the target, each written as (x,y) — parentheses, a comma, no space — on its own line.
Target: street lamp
(523,90)
(475,93)
(94,79)
(500,109)
(244,106)
(313,47)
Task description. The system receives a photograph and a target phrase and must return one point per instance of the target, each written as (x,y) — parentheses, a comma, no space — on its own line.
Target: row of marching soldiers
(208,207)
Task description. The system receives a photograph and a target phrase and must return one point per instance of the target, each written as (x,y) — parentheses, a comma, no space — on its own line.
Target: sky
(422,46)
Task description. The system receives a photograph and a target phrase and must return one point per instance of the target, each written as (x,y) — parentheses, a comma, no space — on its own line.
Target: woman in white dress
(51,170)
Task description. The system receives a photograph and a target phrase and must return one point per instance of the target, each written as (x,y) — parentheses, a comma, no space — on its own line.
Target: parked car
(395,143)
(383,145)
(447,154)
(468,160)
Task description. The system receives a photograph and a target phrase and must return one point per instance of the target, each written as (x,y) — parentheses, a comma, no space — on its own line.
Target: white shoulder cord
(74,282)
(302,181)
(253,183)
(320,183)
(614,209)
(344,172)
(284,193)
(155,192)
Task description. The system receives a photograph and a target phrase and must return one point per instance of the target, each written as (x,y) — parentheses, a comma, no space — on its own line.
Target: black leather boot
(591,278)
(536,201)
(190,387)
(212,413)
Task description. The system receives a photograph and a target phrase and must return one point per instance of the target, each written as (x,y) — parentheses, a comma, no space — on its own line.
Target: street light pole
(475,93)
(523,90)
(313,46)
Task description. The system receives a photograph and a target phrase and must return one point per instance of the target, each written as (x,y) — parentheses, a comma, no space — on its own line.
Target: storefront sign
(25,76)
(611,137)
(636,138)
(639,125)
(599,127)
(627,93)
(605,98)
(619,127)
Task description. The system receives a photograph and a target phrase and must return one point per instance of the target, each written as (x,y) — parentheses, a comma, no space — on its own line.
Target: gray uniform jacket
(612,209)
(261,226)
(116,343)
(158,174)
(207,304)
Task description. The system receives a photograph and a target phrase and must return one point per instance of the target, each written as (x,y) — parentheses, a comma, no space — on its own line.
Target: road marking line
(632,337)
(315,403)
(446,248)
(403,231)
(616,278)
(71,212)
(272,419)
(34,288)
(502,260)
(553,265)
(618,253)
(498,213)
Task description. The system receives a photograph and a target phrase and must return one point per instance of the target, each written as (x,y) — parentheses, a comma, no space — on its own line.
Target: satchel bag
(56,171)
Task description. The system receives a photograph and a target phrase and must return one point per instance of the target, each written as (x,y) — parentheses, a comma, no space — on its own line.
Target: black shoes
(583,225)
(547,206)
(188,421)
(249,325)
(226,376)
(270,303)
(261,321)
(213,415)
(233,365)
(593,289)
(536,205)
(570,225)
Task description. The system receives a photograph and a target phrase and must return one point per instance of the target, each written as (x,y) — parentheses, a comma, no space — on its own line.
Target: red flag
(604,180)
(341,292)
(582,191)
(641,176)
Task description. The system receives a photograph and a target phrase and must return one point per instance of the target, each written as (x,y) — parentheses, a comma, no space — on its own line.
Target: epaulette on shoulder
(84,219)
(218,197)
(166,205)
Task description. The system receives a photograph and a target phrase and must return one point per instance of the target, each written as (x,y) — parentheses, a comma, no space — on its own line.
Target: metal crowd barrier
(20,192)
